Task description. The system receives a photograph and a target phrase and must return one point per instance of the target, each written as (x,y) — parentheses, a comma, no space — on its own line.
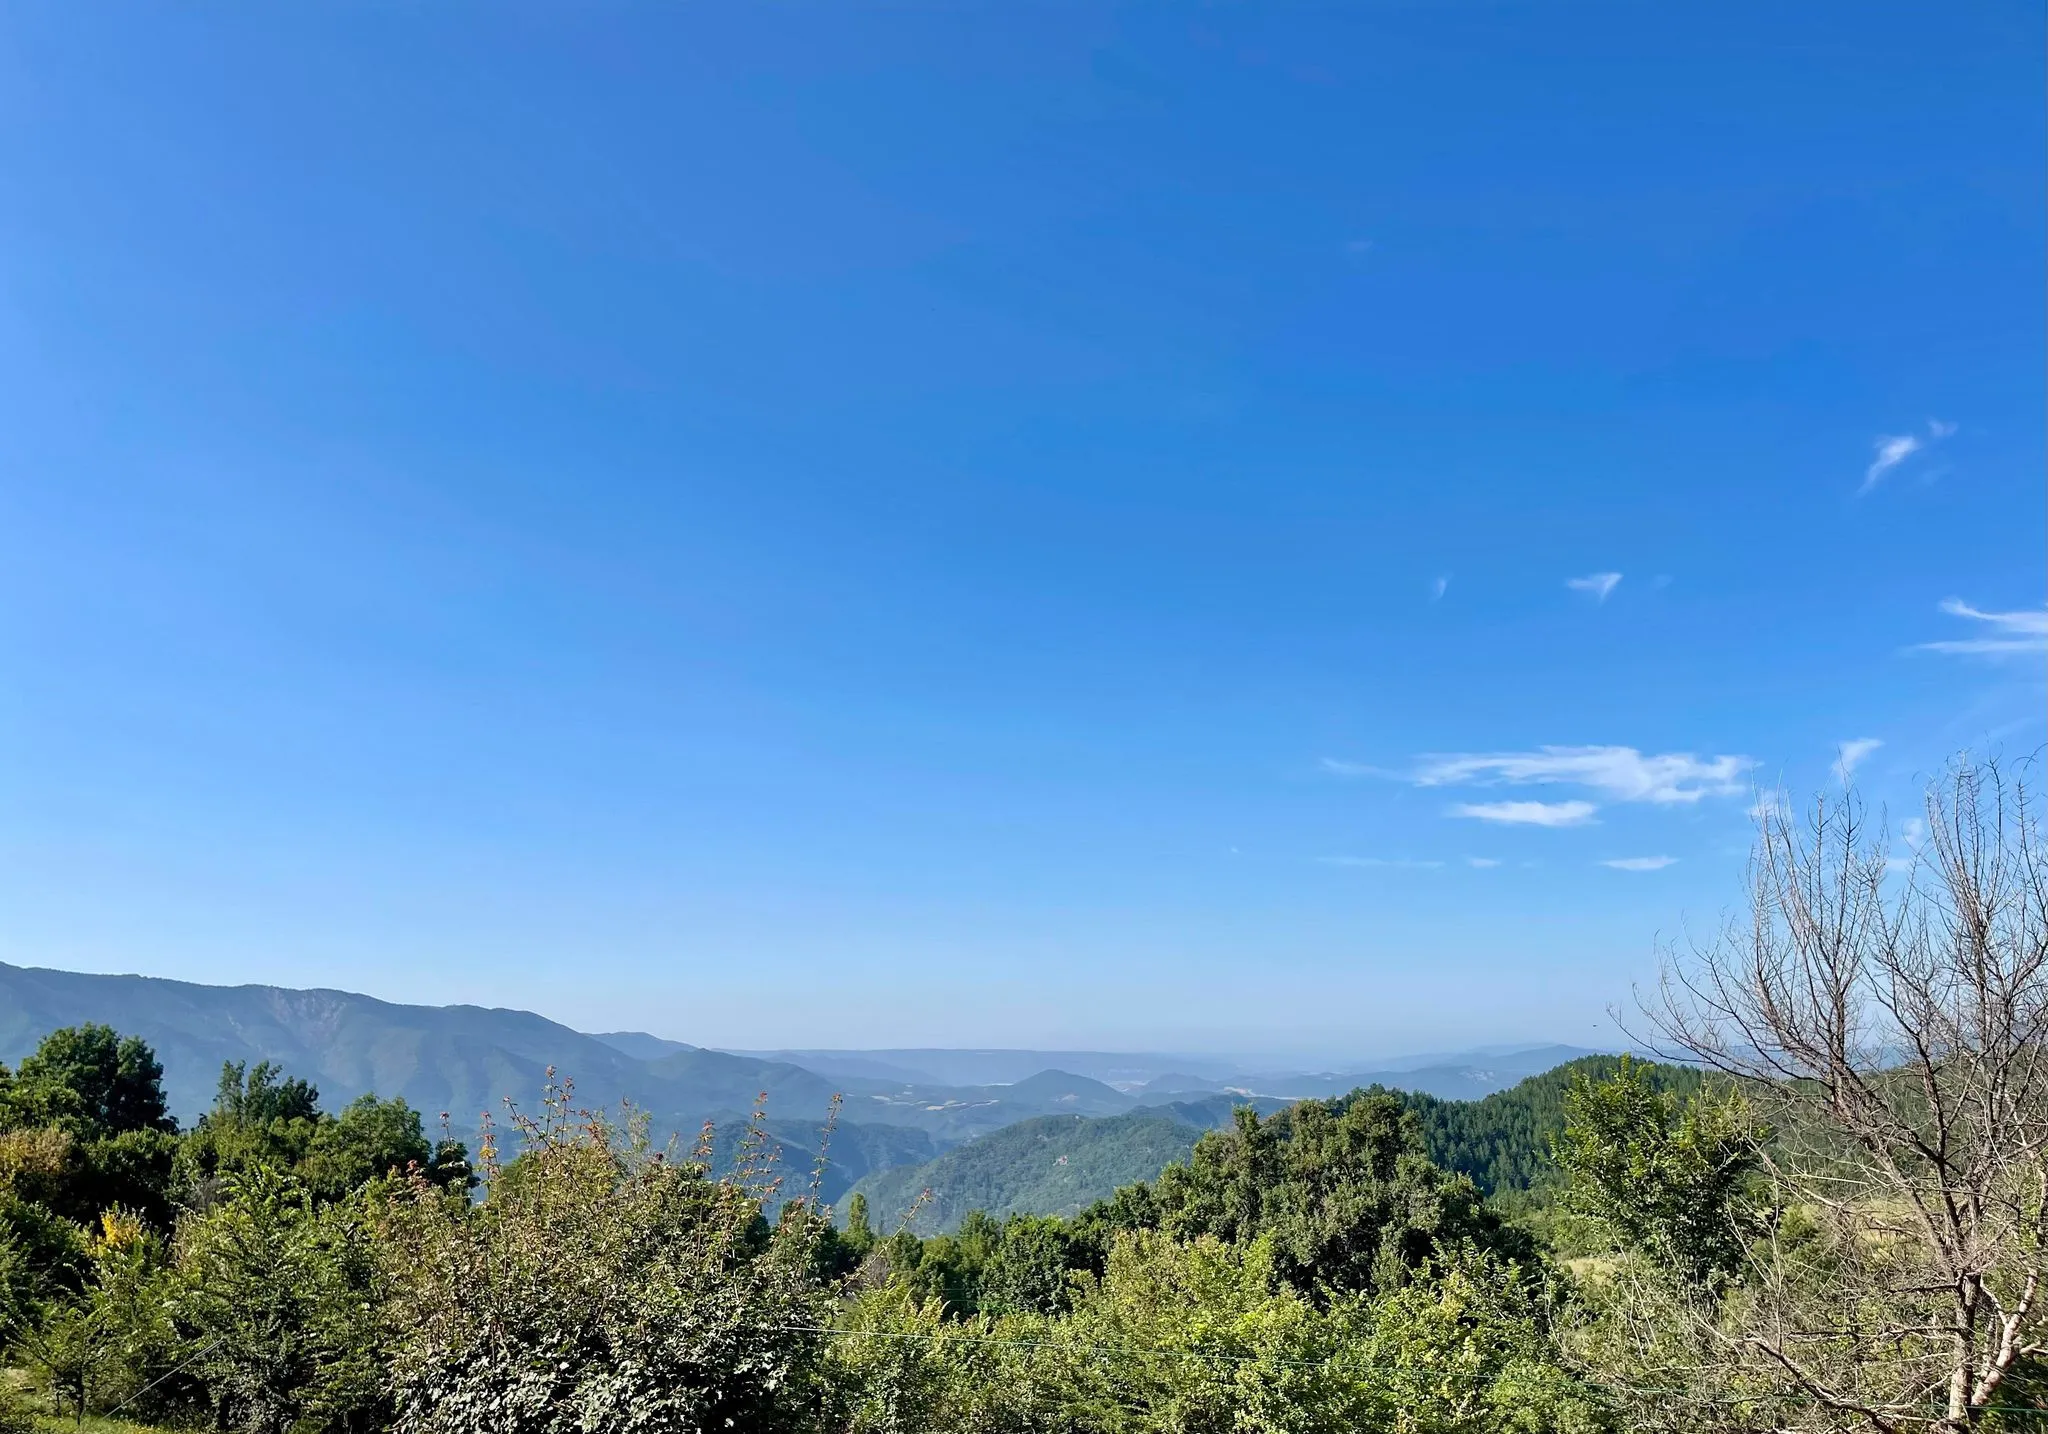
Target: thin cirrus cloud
(2002,634)
(1640,863)
(1892,449)
(1620,773)
(1481,863)
(1850,754)
(1438,588)
(1598,584)
(1528,814)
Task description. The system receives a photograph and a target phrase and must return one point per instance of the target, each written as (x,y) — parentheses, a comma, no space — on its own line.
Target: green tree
(274,1294)
(1201,1337)
(371,1138)
(901,1365)
(1469,1349)
(1027,1272)
(90,1081)
(1341,1187)
(1670,1179)
(263,1095)
(261,1119)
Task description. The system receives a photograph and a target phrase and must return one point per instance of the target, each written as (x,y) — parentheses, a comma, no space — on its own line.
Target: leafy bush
(608,1287)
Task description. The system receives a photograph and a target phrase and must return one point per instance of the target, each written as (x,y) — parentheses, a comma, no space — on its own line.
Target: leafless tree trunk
(1888,1012)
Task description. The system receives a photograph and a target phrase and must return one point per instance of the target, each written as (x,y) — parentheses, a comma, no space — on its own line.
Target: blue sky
(1240,527)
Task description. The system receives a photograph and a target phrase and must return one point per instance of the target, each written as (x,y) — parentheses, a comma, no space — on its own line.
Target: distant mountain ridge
(1147,1078)
(464,1060)
(468,1060)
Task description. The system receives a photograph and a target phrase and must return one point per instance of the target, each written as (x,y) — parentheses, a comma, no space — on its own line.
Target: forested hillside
(1055,1165)
(1058,1166)
(1503,1140)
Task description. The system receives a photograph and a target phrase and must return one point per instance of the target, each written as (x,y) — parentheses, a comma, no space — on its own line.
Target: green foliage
(608,1287)
(276,1293)
(1503,1140)
(1024,1264)
(42,1254)
(1340,1187)
(1668,1179)
(369,1140)
(1064,1165)
(1202,1335)
(1470,1350)
(261,1120)
(278,1270)
(1030,1270)
(264,1120)
(899,1365)
(89,1081)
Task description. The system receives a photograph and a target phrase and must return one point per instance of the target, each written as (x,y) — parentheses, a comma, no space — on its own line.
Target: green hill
(1059,1165)
(1054,1165)
(464,1060)
(1503,1140)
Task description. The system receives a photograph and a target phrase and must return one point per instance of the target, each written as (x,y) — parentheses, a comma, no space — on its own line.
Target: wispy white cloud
(1622,773)
(1640,863)
(1529,814)
(1339,768)
(1598,584)
(1913,831)
(1892,449)
(1850,754)
(1438,588)
(1482,862)
(1389,861)
(2007,633)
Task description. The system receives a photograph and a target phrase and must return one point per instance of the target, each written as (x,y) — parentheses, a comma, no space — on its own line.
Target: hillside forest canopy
(1826,1213)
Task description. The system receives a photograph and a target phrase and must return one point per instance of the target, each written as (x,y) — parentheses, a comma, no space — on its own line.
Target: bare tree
(1886,1011)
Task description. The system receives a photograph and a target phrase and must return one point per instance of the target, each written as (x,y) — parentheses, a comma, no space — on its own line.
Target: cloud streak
(1620,773)
(1892,449)
(1528,814)
(1850,754)
(1641,863)
(1598,584)
(2005,634)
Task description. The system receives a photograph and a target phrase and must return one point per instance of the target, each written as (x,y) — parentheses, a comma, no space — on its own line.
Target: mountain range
(896,1108)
